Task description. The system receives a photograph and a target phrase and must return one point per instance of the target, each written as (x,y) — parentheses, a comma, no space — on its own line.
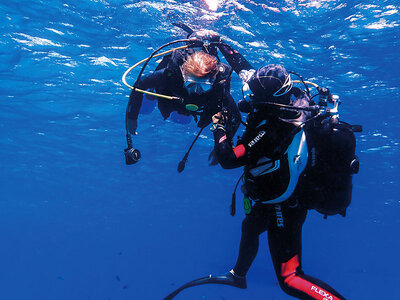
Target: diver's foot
(232,279)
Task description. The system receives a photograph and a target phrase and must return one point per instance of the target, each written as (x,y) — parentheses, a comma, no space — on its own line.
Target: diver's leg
(284,237)
(148,105)
(253,225)
(180,118)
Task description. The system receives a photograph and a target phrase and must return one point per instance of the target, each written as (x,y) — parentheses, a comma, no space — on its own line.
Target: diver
(198,79)
(274,152)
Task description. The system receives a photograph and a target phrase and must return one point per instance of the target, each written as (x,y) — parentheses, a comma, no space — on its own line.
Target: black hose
(182,163)
(288,107)
(302,80)
(155,52)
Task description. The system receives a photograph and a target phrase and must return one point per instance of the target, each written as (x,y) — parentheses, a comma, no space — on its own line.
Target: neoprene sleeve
(234,58)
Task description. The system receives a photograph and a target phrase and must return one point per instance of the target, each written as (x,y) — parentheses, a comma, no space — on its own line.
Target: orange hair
(199,64)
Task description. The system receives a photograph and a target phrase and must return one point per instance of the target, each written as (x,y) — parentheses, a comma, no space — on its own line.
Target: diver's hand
(220,118)
(206,35)
(217,118)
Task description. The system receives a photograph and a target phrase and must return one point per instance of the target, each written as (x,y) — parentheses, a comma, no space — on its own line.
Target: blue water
(77,223)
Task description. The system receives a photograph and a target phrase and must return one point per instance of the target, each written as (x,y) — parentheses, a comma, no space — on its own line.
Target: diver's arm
(234,58)
(228,156)
(136,98)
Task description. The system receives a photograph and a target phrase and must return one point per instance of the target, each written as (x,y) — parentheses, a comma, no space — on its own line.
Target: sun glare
(212,4)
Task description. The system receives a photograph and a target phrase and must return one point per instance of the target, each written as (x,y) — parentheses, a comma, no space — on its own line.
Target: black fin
(228,279)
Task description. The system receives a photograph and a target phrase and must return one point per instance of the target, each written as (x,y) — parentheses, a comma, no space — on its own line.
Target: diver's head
(271,83)
(199,72)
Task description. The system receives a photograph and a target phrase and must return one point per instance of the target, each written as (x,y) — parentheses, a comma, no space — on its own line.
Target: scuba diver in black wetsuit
(278,174)
(199,82)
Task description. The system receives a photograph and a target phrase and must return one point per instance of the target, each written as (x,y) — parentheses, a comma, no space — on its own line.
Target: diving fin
(229,278)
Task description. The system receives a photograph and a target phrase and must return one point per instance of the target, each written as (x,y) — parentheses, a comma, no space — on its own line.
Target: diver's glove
(219,120)
(218,123)
(206,36)
(229,278)
(216,126)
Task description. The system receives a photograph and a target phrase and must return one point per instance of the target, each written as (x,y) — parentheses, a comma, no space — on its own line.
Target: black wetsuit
(168,80)
(268,134)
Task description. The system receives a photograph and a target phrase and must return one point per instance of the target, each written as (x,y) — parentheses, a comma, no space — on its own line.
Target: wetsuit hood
(272,83)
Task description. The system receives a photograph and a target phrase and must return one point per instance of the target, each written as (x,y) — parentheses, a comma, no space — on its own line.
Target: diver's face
(198,85)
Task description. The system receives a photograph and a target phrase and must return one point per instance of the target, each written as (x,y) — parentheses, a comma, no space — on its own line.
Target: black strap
(233,203)
(182,163)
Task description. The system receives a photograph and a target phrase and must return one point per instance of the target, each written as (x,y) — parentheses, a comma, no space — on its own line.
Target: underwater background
(77,223)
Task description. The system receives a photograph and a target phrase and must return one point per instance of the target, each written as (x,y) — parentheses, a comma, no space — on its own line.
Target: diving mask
(198,85)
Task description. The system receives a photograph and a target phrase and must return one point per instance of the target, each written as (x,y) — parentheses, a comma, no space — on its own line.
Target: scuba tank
(332,163)
(327,181)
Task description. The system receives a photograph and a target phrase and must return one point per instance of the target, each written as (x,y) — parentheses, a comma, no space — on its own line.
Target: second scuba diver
(277,192)
(199,80)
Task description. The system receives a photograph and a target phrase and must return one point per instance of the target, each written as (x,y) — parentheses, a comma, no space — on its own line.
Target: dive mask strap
(284,89)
